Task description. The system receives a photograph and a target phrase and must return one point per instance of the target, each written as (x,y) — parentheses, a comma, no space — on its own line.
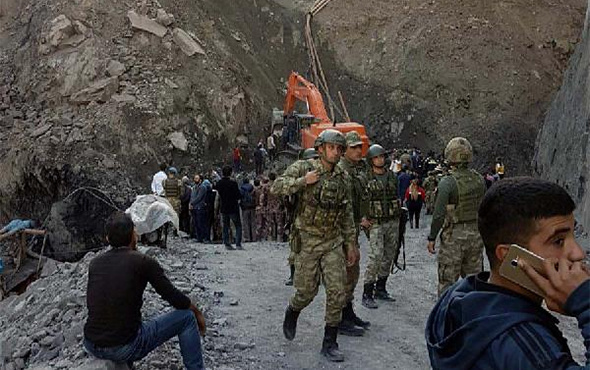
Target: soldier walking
(273,213)
(383,220)
(455,212)
(352,162)
(325,223)
(307,154)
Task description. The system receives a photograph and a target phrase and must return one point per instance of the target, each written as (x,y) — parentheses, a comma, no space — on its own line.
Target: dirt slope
(422,72)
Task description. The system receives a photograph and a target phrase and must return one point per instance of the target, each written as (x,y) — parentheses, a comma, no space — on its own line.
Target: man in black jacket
(116,281)
(230,195)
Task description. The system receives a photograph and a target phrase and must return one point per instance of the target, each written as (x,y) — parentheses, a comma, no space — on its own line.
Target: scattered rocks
(178,141)
(164,18)
(144,23)
(100,91)
(41,130)
(115,68)
(61,29)
(186,43)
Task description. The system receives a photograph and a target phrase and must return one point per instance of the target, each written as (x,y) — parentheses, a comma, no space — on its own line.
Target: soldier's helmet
(374,151)
(331,136)
(309,153)
(353,138)
(459,150)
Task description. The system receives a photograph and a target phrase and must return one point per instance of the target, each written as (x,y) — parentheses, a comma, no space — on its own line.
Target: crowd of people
(321,204)
(214,208)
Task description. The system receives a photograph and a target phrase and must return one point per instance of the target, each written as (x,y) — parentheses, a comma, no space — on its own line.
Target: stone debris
(144,23)
(164,18)
(186,43)
(61,29)
(99,91)
(115,68)
(178,141)
(42,328)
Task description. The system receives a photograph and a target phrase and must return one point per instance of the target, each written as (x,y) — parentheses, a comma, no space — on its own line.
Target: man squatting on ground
(116,281)
(326,230)
(488,322)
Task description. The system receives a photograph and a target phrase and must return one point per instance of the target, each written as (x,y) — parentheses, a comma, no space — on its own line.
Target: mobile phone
(510,270)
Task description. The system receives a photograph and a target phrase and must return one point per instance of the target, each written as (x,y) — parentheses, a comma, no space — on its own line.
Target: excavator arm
(300,89)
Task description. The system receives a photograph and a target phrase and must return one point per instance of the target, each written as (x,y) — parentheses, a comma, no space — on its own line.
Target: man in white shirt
(157,188)
(271,146)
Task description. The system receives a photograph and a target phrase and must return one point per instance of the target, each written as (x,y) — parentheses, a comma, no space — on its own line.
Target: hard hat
(459,150)
(309,153)
(331,136)
(353,138)
(374,151)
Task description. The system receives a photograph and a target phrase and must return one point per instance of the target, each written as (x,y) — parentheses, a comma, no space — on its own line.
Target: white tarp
(150,212)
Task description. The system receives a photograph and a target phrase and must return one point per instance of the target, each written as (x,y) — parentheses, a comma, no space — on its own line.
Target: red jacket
(420,191)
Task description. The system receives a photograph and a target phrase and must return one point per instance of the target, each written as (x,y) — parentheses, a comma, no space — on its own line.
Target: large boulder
(563,144)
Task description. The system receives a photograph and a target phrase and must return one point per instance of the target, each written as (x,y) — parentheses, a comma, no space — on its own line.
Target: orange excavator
(303,129)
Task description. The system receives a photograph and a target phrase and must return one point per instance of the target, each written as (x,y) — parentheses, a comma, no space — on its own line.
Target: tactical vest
(358,179)
(471,189)
(324,202)
(172,188)
(383,199)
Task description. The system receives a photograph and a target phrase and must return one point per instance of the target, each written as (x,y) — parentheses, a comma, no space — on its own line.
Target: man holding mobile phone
(489,322)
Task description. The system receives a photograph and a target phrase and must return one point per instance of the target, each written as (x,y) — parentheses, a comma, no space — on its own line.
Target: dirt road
(255,296)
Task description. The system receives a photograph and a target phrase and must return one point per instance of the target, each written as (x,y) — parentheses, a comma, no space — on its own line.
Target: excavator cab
(312,124)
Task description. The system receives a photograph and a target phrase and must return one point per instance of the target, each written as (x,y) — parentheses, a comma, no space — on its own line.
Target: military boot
(330,346)
(349,314)
(348,328)
(381,292)
(289,281)
(290,323)
(368,298)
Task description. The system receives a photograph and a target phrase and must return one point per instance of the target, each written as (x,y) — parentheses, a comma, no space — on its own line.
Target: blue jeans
(201,228)
(235,218)
(154,333)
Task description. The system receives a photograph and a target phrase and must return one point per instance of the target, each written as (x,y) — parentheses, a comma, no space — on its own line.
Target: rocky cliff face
(431,70)
(563,144)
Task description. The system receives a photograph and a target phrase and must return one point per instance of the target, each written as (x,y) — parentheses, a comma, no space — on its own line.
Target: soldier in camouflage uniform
(307,154)
(455,212)
(383,215)
(325,223)
(430,184)
(352,162)
(262,196)
(274,215)
(173,189)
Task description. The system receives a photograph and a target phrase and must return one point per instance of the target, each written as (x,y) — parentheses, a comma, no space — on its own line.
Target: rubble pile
(122,87)
(43,327)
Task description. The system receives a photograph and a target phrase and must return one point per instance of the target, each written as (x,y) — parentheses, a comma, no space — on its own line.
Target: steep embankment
(88,99)
(563,144)
(420,72)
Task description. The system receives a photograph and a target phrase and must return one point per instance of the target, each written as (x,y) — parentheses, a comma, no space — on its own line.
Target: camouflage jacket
(324,209)
(269,202)
(358,185)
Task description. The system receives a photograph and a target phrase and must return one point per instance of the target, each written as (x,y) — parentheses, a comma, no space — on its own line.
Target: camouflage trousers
(275,225)
(383,249)
(320,259)
(260,225)
(352,276)
(460,253)
(175,203)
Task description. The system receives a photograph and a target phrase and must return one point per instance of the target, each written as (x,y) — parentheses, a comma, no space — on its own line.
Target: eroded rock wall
(563,144)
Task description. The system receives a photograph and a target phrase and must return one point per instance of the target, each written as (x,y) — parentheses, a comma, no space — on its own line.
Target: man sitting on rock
(116,281)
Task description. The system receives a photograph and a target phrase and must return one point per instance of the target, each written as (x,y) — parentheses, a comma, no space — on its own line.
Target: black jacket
(230,195)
